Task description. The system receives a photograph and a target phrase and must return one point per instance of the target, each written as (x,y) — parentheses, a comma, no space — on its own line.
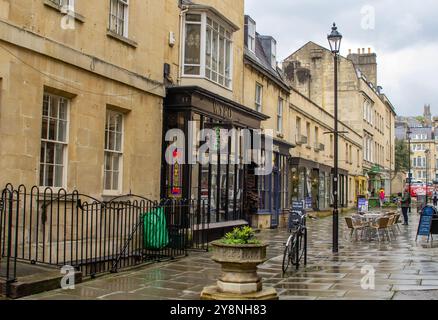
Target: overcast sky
(403,33)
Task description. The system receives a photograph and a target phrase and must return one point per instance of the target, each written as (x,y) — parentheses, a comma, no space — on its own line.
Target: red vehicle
(420,188)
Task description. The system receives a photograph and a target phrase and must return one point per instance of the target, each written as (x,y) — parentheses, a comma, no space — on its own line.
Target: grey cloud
(399,25)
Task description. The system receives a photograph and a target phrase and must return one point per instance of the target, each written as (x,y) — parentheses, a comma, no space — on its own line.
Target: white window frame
(114,28)
(55,141)
(280,111)
(259,97)
(120,153)
(251,35)
(203,50)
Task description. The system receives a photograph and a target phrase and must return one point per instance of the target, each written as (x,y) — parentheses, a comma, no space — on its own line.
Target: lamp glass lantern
(335,39)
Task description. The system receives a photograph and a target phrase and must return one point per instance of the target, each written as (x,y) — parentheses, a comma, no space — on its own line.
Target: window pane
(192,70)
(58,176)
(208,48)
(62,131)
(52,130)
(50,153)
(54,105)
(192,45)
(119,142)
(49,176)
(115,181)
(193,17)
(107,181)
(59,154)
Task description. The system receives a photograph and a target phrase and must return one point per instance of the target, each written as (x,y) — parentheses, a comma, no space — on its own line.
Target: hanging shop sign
(176,177)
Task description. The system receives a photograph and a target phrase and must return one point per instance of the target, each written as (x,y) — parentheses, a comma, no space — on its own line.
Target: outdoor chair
(381,225)
(391,225)
(355,225)
(397,222)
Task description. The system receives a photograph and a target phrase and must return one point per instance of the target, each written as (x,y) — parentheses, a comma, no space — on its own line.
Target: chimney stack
(366,62)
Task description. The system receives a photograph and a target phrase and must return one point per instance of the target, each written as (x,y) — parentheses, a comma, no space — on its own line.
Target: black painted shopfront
(220,183)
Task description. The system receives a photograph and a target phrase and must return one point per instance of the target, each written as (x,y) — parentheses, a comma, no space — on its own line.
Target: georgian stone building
(363,107)
(81,94)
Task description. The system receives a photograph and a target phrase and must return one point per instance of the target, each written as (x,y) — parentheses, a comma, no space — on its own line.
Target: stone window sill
(120,38)
(78,17)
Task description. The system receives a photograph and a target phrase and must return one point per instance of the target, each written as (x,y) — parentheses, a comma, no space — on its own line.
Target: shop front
(311,182)
(273,189)
(219,182)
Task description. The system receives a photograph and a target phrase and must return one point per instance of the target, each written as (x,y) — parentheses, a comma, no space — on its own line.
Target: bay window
(207,49)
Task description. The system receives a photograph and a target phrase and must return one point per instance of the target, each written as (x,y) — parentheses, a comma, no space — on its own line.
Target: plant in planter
(239,254)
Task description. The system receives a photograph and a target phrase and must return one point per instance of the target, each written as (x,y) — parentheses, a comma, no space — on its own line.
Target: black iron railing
(60,228)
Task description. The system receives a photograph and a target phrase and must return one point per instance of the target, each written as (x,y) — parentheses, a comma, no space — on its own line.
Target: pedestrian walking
(382,197)
(435,197)
(405,203)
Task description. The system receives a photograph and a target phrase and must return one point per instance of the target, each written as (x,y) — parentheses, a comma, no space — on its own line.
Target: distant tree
(402,156)
(421,119)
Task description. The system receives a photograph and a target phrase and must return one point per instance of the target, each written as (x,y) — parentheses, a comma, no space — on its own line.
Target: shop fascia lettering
(214,146)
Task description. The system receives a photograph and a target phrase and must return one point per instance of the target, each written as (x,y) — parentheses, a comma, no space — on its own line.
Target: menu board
(426,221)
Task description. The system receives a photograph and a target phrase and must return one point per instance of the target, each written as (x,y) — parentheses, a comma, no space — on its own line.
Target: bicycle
(296,246)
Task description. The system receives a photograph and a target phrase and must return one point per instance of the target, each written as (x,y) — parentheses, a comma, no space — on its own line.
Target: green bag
(156,235)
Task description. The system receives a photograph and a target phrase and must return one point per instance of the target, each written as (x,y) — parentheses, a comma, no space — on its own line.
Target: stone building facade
(363,106)
(82,93)
(87,98)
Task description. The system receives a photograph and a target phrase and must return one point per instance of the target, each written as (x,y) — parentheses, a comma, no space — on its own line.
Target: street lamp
(408,133)
(427,175)
(335,39)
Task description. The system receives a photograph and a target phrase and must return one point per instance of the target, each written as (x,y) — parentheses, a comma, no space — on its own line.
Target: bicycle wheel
(301,245)
(294,248)
(287,255)
(286,258)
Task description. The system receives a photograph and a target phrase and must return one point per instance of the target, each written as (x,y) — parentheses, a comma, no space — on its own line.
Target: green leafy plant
(240,236)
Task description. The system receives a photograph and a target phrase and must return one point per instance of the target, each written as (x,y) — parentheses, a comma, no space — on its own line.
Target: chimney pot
(349,51)
(369,50)
(358,50)
(363,50)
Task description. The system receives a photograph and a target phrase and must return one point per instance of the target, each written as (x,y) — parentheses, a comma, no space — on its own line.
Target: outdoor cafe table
(370,218)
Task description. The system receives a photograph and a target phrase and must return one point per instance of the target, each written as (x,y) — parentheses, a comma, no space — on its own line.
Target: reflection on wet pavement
(404,269)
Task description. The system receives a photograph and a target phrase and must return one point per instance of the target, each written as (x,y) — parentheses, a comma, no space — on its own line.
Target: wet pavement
(404,269)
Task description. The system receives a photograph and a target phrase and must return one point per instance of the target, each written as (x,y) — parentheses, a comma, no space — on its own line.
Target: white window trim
(65,151)
(125,19)
(202,73)
(280,116)
(259,104)
(121,160)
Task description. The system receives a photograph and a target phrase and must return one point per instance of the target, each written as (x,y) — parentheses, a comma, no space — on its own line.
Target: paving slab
(404,269)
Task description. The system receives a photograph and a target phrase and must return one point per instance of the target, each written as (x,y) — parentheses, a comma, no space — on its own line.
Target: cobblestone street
(404,269)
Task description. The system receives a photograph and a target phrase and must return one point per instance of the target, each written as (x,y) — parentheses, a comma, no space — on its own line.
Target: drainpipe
(184,9)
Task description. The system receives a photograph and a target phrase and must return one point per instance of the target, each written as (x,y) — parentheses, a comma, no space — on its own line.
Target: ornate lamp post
(408,133)
(335,39)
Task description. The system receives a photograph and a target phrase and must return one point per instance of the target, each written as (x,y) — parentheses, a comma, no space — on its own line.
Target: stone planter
(239,278)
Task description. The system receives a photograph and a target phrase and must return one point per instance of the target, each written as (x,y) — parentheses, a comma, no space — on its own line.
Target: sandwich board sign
(426,221)
(363,205)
